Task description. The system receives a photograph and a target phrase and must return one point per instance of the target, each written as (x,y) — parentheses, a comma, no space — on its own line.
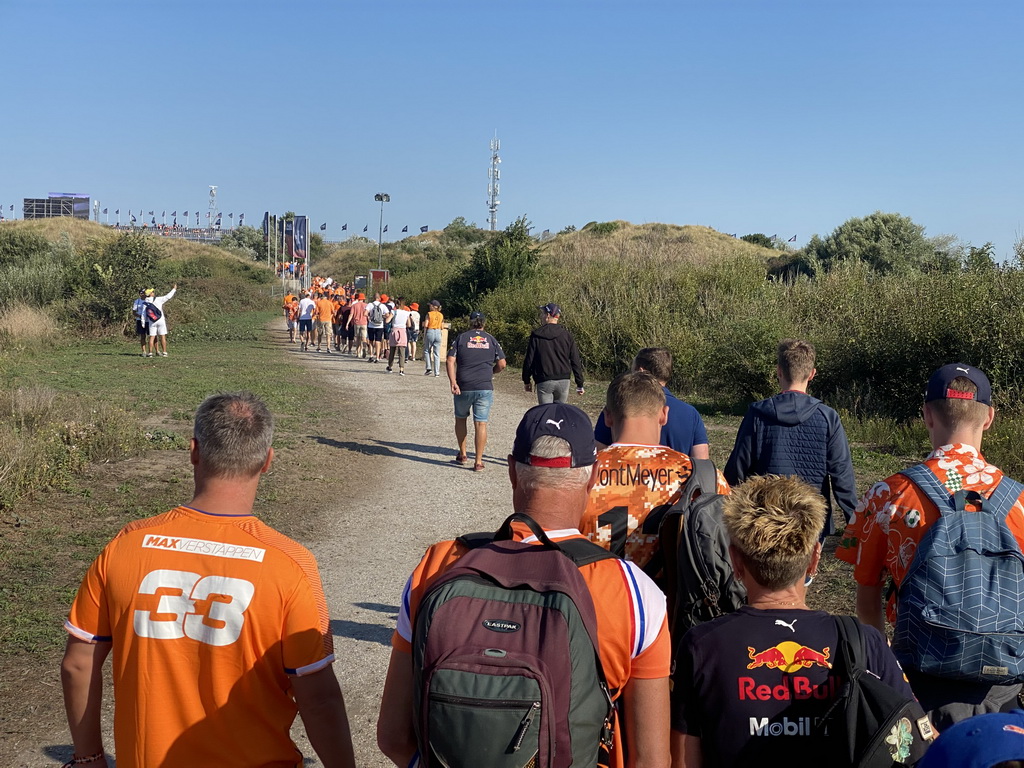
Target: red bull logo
(789,657)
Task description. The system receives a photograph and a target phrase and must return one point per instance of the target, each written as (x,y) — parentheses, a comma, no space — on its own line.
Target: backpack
(506,670)
(960,608)
(376,314)
(876,725)
(151,312)
(698,576)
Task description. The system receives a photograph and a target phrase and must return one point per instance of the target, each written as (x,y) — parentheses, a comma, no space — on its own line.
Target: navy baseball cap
(939,384)
(978,742)
(557,420)
(476,315)
(551,309)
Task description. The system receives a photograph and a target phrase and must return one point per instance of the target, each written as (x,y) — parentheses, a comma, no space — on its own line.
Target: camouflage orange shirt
(891,519)
(636,484)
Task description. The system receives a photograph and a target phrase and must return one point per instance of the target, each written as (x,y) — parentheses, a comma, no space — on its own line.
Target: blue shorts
(306,326)
(480,400)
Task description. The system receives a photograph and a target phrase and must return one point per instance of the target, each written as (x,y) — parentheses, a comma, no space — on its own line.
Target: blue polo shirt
(683,430)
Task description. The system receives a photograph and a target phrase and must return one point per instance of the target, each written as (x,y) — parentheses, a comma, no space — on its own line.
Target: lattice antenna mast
(213,206)
(493,187)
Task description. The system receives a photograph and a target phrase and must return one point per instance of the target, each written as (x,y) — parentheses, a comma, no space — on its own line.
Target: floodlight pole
(381,197)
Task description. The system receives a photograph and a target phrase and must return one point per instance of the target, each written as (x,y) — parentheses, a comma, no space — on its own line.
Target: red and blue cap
(557,420)
(978,742)
(939,384)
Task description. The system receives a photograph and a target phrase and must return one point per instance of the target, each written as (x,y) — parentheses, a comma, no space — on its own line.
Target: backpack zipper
(524,726)
(449,698)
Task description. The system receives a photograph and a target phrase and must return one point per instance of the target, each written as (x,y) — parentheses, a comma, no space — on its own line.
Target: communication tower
(493,187)
(213,206)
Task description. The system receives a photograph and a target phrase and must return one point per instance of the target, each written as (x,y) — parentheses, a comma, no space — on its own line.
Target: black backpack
(151,312)
(698,576)
(877,726)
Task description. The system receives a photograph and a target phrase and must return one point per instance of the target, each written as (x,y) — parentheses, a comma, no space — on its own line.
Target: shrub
(22,325)
(46,439)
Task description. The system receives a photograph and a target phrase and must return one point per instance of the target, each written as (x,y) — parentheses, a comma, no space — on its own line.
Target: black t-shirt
(475,354)
(753,684)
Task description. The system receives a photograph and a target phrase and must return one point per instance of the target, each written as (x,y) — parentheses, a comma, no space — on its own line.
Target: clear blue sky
(778,116)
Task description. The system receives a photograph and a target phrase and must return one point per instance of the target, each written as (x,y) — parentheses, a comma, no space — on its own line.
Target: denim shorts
(479,400)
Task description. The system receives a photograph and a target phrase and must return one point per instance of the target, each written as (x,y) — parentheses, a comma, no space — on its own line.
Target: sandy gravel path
(413,495)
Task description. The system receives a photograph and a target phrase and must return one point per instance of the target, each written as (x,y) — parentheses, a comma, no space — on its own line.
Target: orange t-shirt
(632,630)
(208,616)
(325,310)
(892,518)
(434,320)
(636,484)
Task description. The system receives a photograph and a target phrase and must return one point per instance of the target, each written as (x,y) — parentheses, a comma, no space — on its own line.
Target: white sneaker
(163,354)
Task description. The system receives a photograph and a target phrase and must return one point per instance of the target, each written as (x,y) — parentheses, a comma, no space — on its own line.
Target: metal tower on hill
(213,207)
(493,187)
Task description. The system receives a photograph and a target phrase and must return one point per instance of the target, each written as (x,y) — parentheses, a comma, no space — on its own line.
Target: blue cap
(978,742)
(551,309)
(476,315)
(939,389)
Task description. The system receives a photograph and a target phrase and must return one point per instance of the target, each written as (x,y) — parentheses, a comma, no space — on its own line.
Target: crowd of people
(492,665)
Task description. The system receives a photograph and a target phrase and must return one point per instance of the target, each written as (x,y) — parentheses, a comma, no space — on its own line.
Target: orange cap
(383,297)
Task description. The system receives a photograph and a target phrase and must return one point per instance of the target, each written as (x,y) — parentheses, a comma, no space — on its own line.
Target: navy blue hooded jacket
(793,433)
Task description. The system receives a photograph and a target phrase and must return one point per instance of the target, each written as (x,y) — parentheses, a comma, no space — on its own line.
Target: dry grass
(22,325)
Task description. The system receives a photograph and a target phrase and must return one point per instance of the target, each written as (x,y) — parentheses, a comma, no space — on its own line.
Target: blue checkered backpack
(961,605)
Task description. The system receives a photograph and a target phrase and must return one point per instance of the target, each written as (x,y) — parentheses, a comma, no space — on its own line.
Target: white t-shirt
(401,318)
(415,319)
(306,308)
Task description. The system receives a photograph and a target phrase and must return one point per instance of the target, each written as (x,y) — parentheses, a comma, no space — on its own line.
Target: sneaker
(163,354)
(426,372)
(388,369)
(142,354)
(436,375)
(401,372)
(149,354)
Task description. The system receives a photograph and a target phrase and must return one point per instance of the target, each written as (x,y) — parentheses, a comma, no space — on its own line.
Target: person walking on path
(307,309)
(324,317)
(218,623)
(158,329)
(475,356)
(432,339)
(684,431)
(400,320)
(414,329)
(376,314)
(724,667)
(141,326)
(551,356)
(357,321)
(793,433)
(892,540)
(551,470)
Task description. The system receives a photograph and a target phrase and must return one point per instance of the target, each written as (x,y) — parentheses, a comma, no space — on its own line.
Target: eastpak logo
(500,625)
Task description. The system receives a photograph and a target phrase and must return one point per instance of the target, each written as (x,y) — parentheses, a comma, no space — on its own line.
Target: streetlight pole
(382,198)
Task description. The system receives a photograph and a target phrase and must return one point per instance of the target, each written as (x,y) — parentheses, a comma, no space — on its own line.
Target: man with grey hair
(551,472)
(217,623)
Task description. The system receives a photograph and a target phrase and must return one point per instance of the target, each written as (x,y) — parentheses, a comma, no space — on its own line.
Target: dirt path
(379,487)
(412,496)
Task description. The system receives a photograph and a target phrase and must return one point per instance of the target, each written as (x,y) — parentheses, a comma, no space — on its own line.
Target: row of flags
(366,228)
(773,238)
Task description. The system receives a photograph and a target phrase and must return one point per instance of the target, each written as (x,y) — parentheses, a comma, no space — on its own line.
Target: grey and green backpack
(507,672)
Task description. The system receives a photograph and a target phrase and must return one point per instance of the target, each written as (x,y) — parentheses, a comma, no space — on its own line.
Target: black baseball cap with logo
(939,384)
(557,420)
